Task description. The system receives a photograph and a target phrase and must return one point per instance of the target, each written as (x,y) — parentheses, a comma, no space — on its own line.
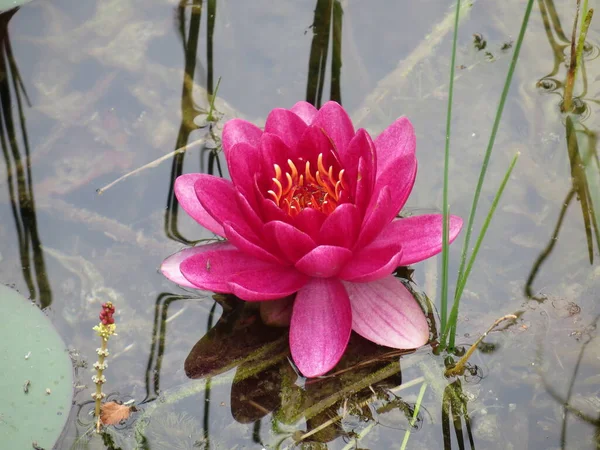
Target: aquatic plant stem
(459,368)
(445,208)
(415,415)
(570,82)
(463,280)
(105,329)
(488,153)
(99,395)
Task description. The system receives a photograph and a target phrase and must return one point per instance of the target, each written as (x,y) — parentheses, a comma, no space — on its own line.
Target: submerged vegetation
(216,372)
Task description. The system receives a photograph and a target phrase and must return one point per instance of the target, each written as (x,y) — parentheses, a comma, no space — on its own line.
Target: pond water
(94,90)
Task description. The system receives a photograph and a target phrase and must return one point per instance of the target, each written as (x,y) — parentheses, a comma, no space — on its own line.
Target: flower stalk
(105,329)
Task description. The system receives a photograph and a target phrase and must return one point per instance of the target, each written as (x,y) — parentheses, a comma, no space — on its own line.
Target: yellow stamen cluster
(294,191)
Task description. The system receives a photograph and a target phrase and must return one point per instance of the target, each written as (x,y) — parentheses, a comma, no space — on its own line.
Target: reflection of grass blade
(190,46)
(445,212)
(546,252)
(462,281)
(336,52)
(555,20)
(488,153)
(583,142)
(580,184)
(454,403)
(318,52)
(22,198)
(415,415)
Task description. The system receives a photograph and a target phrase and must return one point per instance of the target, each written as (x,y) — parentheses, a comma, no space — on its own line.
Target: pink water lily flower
(311,210)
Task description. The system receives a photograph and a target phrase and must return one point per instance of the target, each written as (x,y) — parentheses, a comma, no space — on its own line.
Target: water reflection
(16,152)
(581,147)
(327,22)
(266,382)
(454,405)
(189,110)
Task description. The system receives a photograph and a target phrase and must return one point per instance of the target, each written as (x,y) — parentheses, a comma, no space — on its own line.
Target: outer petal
(236,131)
(186,195)
(337,124)
(341,227)
(285,124)
(396,142)
(170,267)
(320,326)
(270,283)
(420,236)
(305,111)
(244,162)
(219,199)
(385,312)
(213,269)
(324,261)
(227,270)
(400,179)
(375,261)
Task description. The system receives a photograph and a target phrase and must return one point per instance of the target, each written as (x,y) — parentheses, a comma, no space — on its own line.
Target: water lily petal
(269,212)
(285,124)
(400,179)
(395,143)
(277,313)
(236,131)
(312,143)
(379,213)
(305,111)
(219,198)
(268,283)
(292,243)
(273,151)
(320,326)
(363,193)
(336,123)
(186,195)
(420,236)
(248,243)
(324,261)
(375,261)
(170,266)
(360,146)
(212,269)
(385,312)
(341,227)
(310,221)
(244,163)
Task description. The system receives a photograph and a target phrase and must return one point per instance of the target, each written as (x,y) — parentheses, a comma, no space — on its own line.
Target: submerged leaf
(113,413)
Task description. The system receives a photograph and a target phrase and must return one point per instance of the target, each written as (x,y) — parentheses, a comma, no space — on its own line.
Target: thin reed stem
(445,208)
(463,281)
(465,250)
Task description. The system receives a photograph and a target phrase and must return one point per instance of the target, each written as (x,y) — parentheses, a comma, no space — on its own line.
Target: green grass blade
(445,212)
(486,159)
(414,417)
(463,281)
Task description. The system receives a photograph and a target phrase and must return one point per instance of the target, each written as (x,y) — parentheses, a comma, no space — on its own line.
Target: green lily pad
(36,381)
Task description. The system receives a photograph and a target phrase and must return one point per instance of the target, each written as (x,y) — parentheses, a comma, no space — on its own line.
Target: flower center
(318,189)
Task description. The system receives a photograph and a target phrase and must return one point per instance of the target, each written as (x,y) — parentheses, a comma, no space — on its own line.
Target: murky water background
(93,90)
